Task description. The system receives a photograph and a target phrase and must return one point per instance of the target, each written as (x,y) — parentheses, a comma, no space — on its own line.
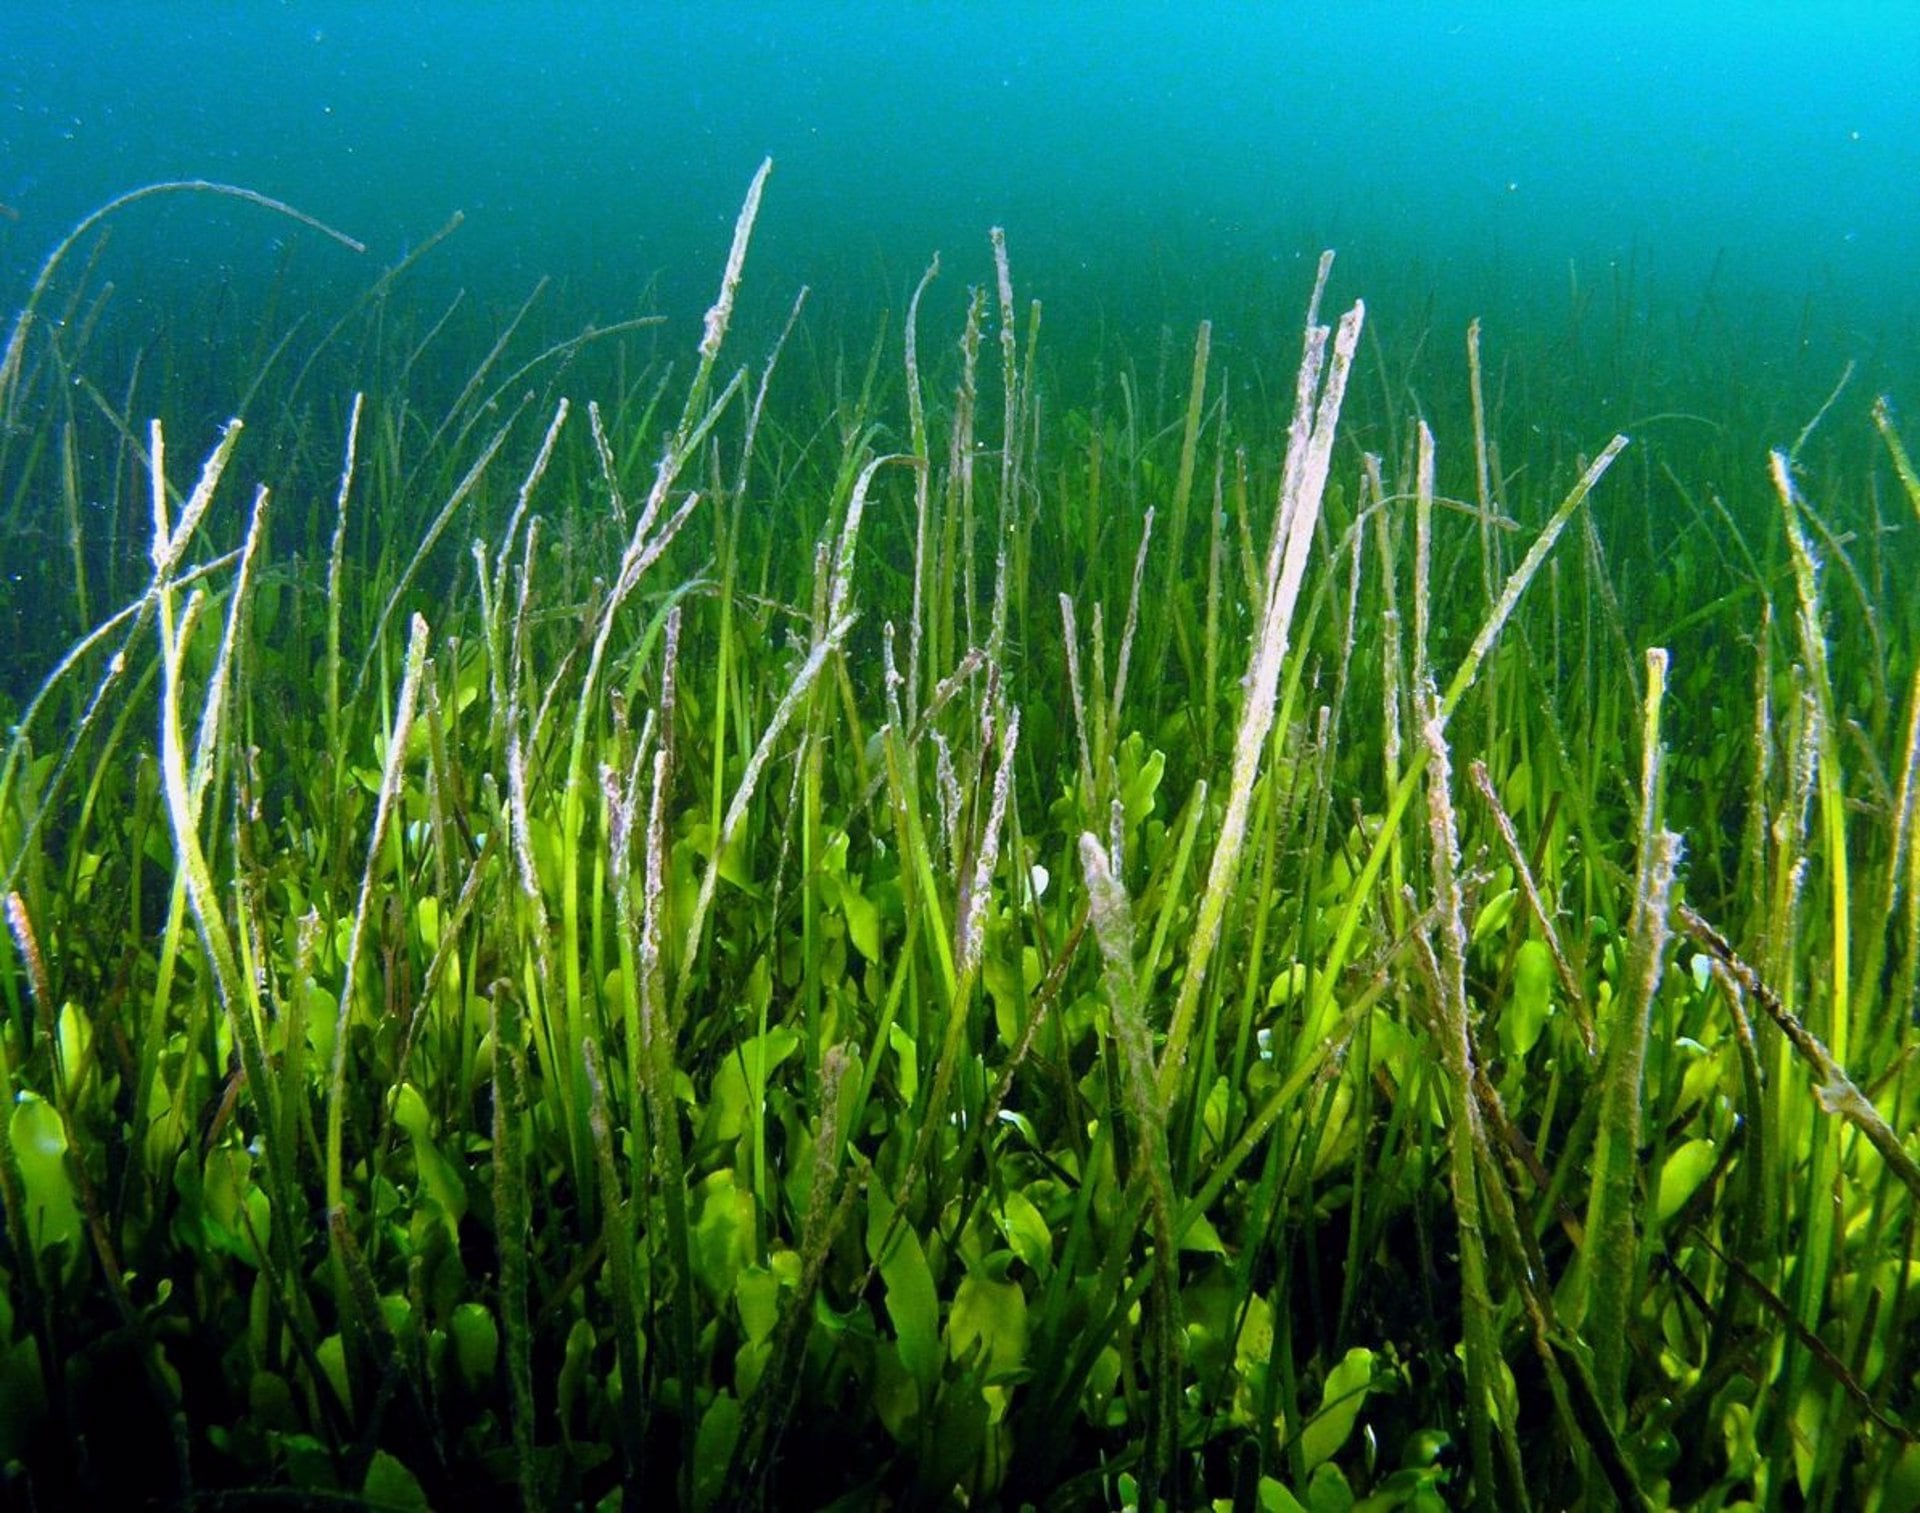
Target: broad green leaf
(75,1031)
(1200,1236)
(896,1396)
(908,1077)
(1526,1013)
(574,1363)
(1327,1490)
(863,922)
(995,1315)
(756,1292)
(739,1082)
(427,913)
(1252,1349)
(237,1211)
(40,1148)
(1139,780)
(734,866)
(1493,915)
(1287,985)
(270,1402)
(1005,988)
(1340,1404)
(1809,1415)
(1254,1343)
(1274,1498)
(323,1016)
(957,1437)
(1681,1174)
(476,1342)
(1026,1231)
(912,1303)
(410,1111)
(1098,1400)
(1706,1071)
(439,1178)
(713,1447)
(390,1484)
(723,1233)
(1903,1482)
(332,1355)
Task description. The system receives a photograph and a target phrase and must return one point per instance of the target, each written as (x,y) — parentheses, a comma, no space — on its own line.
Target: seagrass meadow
(764,912)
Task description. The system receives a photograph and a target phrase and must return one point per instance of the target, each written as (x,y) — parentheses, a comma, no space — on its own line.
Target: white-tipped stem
(1076,698)
(970,934)
(1308,461)
(894,681)
(922,491)
(336,560)
(1422,556)
(749,781)
(952,801)
(1482,464)
(1896,449)
(1466,1137)
(532,479)
(1523,575)
(170,542)
(1610,1261)
(214,711)
(653,997)
(714,328)
(1010,380)
(389,793)
(519,740)
(1903,808)
(603,449)
(1132,623)
(841,591)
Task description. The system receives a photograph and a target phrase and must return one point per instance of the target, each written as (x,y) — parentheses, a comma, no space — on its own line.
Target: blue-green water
(1719,172)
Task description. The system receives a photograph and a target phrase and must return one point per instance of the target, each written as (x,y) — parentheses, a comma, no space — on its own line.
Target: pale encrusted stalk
(1077,698)
(1422,556)
(388,796)
(524,498)
(1832,795)
(1610,1259)
(970,933)
(1132,623)
(1309,456)
(1112,917)
(1486,1396)
(1836,1092)
(736,813)
(840,593)
(714,327)
(336,557)
(922,487)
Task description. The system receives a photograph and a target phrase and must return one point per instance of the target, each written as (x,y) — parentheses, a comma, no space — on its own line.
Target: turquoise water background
(1744,174)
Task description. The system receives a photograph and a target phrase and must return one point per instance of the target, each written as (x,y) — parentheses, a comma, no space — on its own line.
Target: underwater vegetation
(672,926)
